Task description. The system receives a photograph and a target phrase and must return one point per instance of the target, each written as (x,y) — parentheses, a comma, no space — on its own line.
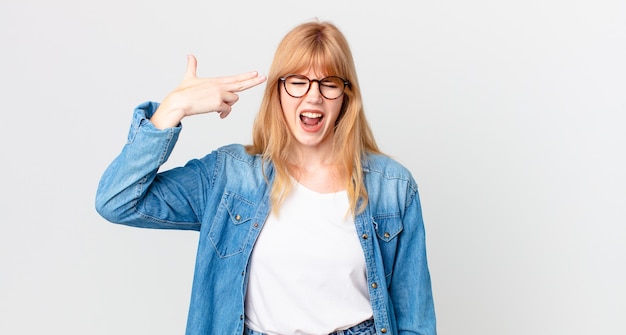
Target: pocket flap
(387,226)
(239,209)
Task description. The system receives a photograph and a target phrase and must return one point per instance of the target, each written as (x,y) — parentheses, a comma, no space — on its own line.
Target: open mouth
(311,118)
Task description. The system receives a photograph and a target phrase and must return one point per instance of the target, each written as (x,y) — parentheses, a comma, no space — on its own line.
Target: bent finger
(230,98)
(225,111)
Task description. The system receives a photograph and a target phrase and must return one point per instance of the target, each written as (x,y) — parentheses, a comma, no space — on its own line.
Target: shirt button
(256,225)
(387,235)
(383,330)
(364,236)
(374,285)
(241,317)
(237,217)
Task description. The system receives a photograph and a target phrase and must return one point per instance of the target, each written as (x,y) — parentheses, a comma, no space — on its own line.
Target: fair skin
(312,165)
(202,95)
(311,120)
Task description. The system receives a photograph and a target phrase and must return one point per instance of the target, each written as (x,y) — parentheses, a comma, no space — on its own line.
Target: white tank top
(307,269)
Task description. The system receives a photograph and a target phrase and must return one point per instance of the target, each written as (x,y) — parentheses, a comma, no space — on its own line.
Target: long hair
(321,46)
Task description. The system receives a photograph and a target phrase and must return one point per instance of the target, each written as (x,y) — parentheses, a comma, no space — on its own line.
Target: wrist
(167,117)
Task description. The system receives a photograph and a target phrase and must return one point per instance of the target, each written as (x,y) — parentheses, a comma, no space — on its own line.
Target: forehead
(317,66)
(313,73)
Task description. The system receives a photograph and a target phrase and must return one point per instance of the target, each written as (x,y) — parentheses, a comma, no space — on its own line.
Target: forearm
(127,178)
(411,289)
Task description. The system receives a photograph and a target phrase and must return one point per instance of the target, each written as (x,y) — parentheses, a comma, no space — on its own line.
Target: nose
(314,95)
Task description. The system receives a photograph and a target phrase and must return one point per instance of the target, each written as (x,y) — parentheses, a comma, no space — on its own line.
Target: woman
(308,230)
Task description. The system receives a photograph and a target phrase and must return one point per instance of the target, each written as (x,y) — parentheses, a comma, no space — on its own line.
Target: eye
(332,82)
(297,81)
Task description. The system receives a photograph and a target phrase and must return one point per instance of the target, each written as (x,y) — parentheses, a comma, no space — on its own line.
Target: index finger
(242,82)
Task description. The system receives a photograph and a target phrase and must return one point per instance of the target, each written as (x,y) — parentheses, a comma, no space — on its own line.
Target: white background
(510,114)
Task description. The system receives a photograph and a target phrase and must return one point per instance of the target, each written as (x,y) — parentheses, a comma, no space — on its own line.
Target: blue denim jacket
(225,196)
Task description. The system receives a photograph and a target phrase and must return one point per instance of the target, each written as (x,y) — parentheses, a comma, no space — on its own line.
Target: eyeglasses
(330,88)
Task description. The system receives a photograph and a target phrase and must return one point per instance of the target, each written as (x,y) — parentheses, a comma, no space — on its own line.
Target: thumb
(192,65)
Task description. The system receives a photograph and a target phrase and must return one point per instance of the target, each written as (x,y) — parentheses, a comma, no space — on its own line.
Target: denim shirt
(225,196)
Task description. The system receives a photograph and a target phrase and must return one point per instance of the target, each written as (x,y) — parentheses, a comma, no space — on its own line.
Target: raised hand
(202,95)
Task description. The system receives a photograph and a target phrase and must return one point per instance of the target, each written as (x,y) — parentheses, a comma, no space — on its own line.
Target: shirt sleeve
(132,192)
(410,288)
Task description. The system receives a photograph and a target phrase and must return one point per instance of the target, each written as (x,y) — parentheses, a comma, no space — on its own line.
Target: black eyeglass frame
(346,83)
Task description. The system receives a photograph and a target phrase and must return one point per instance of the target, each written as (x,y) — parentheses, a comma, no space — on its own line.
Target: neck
(317,171)
(313,157)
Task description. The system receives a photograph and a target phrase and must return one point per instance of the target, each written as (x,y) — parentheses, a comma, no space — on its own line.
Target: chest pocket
(230,229)
(388,227)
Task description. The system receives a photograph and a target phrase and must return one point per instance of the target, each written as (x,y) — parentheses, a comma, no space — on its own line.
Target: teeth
(311,115)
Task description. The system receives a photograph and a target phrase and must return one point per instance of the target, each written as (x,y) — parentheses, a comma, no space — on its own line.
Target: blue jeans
(363,328)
